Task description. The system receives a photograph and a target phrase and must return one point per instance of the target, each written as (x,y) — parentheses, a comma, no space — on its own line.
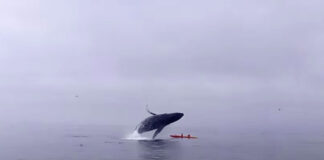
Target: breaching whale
(158,122)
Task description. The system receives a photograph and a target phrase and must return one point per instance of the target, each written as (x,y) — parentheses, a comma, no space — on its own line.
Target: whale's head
(172,117)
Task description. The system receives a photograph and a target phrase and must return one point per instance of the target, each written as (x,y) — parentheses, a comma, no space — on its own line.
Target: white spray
(136,136)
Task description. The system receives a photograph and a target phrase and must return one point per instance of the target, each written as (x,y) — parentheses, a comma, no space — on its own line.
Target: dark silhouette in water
(158,122)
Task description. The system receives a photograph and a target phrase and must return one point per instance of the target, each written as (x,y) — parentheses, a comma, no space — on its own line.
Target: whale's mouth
(178,115)
(181,115)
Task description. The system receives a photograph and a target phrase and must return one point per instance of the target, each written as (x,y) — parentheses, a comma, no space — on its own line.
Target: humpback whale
(158,122)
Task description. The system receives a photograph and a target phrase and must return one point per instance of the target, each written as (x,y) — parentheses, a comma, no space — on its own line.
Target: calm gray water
(109,143)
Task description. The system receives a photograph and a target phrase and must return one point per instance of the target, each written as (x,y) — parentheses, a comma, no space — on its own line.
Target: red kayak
(182,136)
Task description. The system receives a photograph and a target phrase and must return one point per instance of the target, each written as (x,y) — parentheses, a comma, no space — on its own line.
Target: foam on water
(136,136)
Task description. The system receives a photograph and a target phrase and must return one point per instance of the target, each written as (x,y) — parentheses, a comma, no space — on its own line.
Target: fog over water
(224,64)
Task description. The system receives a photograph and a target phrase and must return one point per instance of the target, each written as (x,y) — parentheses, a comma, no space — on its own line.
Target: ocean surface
(115,143)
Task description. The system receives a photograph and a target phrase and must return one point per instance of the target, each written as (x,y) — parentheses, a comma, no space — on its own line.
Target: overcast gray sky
(220,62)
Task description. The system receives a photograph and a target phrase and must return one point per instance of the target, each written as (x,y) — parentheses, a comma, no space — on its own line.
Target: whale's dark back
(157,121)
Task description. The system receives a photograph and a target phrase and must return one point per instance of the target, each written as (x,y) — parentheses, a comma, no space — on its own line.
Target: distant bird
(279,109)
(76,96)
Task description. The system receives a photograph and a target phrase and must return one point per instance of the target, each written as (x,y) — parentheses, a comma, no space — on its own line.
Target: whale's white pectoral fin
(157,132)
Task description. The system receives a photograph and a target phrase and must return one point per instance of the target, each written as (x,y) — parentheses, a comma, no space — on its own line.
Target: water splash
(136,136)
